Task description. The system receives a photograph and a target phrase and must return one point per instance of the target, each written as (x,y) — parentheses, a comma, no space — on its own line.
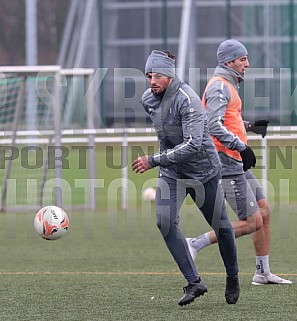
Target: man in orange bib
(242,190)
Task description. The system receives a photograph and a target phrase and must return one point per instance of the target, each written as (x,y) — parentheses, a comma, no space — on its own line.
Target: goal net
(36,105)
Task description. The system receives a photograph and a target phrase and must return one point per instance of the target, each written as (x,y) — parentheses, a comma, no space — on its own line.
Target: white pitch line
(121,273)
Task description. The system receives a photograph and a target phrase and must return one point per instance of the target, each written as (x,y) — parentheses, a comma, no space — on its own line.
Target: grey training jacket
(217,97)
(186,150)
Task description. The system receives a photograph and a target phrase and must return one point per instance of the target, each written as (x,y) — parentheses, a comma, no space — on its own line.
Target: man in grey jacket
(188,164)
(242,190)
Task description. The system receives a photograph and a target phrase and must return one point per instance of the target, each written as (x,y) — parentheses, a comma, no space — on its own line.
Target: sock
(262,265)
(200,242)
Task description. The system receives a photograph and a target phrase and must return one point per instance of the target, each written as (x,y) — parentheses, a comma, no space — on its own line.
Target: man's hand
(141,165)
(248,158)
(260,127)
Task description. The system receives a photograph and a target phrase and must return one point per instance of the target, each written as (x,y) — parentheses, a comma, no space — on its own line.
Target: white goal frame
(54,135)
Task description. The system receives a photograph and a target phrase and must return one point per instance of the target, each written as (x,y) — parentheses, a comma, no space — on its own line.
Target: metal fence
(120,34)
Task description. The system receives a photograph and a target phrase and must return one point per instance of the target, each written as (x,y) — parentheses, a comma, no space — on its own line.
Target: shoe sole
(270,283)
(192,299)
(256,283)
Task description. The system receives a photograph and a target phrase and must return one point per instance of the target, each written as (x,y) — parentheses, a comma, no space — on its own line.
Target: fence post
(124,169)
(264,152)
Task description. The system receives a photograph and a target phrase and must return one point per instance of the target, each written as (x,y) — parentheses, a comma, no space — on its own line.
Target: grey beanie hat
(159,62)
(230,50)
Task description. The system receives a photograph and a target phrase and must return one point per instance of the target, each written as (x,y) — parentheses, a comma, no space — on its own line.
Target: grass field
(113,264)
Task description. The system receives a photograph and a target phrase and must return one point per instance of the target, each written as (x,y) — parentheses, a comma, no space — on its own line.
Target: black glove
(260,127)
(248,158)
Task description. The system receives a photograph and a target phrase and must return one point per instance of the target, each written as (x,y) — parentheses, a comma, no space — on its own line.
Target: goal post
(19,93)
(33,103)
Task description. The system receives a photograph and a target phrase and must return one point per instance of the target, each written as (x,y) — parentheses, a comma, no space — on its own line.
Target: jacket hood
(228,73)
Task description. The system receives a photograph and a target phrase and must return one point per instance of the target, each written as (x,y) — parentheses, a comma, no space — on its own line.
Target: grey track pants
(209,199)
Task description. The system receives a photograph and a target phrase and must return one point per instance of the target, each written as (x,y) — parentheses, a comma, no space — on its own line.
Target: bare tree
(51,15)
